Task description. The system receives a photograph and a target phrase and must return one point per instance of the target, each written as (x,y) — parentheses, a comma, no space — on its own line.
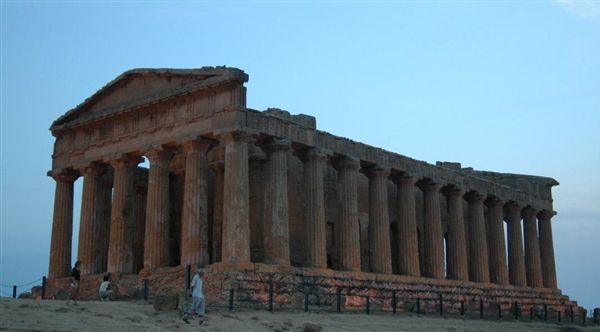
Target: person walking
(75,281)
(197,297)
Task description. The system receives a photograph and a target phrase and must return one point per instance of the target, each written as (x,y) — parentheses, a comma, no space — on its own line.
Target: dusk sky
(501,86)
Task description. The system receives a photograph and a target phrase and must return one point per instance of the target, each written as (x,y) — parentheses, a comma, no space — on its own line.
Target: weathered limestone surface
(478,252)
(87,250)
(62,226)
(276,228)
(194,234)
(516,260)
(103,220)
(408,245)
(316,225)
(457,264)
(349,239)
(433,266)
(141,194)
(496,243)
(547,250)
(236,227)
(122,223)
(533,265)
(379,222)
(156,244)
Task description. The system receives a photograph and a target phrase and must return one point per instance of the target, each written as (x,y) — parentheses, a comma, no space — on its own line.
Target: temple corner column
(547,249)
(62,224)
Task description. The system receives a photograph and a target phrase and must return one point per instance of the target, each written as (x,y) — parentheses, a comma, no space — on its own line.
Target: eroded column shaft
(516,259)
(62,227)
(87,248)
(547,250)
(457,265)
(533,265)
(379,222)
(316,225)
(496,243)
(194,232)
(479,270)
(433,266)
(408,243)
(348,227)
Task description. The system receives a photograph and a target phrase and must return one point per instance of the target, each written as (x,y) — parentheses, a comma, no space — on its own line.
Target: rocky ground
(36,315)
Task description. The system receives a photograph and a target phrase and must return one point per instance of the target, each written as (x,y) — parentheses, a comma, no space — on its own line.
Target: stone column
(217,206)
(236,199)
(156,242)
(194,232)
(348,227)
(479,270)
(141,194)
(457,265)
(316,226)
(122,223)
(433,251)
(62,226)
(516,260)
(87,250)
(533,265)
(496,243)
(408,242)
(379,221)
(276,225)
(103,231)
(547,249)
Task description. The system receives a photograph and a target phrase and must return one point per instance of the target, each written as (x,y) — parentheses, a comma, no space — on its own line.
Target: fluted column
(236,199)
(194,230)
(141,194)
(122,224)
(457,265)
(217,209)
(533,266)
(156,242)
(408,242)
(379,221)
(316,225)
(433,266)
(547,249)
(348,228)
(276,225)
(103,222)
(496,243)
(479,270)
(87,249)
(516,259)
(62,226)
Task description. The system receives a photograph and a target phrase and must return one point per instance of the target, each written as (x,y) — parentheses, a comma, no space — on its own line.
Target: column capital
(546,215)
(159,156)
(314,153)
(347,163)
(64,175)
(453,191)
(196,146)
(429,186)
(404,179)
(124,160)
(493,201)
(529,213)
(236,136)
(283,144)
(376,171)
(92,168)
(513,206)
(474,196)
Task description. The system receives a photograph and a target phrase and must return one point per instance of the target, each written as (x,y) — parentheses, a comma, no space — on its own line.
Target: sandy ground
(35,315)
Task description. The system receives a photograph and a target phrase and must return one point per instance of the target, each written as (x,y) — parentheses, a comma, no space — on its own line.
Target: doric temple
(258,192)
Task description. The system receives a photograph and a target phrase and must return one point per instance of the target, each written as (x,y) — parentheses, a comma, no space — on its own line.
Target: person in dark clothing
(75,279)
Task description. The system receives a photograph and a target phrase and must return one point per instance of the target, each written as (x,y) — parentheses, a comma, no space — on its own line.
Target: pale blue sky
(509,87)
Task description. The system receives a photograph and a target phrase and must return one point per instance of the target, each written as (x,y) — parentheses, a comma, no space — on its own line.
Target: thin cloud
(586,9)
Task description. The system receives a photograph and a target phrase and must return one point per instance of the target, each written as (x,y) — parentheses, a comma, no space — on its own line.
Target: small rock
(310,327)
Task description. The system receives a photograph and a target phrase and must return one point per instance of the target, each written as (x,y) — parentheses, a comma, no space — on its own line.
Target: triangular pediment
(142,86)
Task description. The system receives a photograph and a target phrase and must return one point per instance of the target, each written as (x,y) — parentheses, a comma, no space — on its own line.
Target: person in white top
(104,292)
(197,297)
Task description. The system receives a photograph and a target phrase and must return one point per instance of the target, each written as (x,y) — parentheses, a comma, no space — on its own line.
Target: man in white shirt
(197,297)
(104,292)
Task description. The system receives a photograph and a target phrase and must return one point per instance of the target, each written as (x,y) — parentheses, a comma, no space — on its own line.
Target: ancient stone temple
(256,195)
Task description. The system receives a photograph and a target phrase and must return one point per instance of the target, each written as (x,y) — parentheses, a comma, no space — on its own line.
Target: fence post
(545,312)
(338,298)
(441,305)
(44,283)
(306,302)
(531,312)
(499,310)
(462,307)
(231,299)
(584,316)
(481,308)
(418,306)
(14,291)
(271,295)
(559,315)
(368,304)
(571,313)
(394,304)
(188,276)
(145,289)
(516,310)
